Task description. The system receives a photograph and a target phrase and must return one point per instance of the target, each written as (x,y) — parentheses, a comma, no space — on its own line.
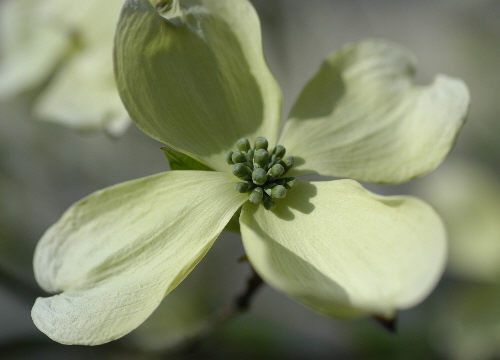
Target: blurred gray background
(44,168)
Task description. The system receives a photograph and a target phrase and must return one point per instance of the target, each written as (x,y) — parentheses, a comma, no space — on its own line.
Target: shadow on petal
(321,95)
(200,86)
(299,278)
(298,198)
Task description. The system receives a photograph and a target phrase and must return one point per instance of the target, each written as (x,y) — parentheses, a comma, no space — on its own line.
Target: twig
(388,323)
(239,305)
(243,301)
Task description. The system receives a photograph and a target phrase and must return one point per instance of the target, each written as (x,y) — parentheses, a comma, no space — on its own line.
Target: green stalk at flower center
(262,171)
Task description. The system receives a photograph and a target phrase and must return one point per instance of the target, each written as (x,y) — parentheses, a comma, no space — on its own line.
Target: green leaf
(362,117)
(200,84)
(115,254)
(344,251)
(180,161)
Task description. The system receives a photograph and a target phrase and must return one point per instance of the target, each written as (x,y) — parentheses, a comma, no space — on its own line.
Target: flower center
(262,171)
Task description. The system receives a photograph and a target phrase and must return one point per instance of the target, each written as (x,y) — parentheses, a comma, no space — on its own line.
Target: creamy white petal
(63,50)
(344,251)
(200,82)
(30,45)
(362,117)
(83,95)
(115,254)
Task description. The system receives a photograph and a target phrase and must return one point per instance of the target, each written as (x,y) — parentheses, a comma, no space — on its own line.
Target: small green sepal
(180,161)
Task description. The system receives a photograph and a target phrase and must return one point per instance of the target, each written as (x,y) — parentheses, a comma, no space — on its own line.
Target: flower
(192,75)
(62,49)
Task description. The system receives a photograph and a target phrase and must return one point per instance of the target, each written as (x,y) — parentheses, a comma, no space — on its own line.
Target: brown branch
(240,304)
(388,323)
(243,301)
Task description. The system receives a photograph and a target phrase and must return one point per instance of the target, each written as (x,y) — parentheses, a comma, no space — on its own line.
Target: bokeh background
(45,167)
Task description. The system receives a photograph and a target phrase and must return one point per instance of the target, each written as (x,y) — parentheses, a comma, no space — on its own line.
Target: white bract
(63,50)
(192,75)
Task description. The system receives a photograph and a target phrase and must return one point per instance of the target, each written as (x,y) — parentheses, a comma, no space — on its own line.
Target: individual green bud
(259,176)
(238,157)
(280,151)
(290,183)
(278,192)
(261,143)
(243,187)
(261,158)
(276,171)
(242,171)
(272,161)
(243,144)
(229,157)
(256,195)
(268,202)
(288,162)
(250,154)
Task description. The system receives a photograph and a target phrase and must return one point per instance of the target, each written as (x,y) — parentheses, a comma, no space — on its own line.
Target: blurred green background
(45,167)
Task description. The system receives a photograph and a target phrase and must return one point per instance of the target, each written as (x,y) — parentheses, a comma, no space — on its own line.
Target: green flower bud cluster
(262,171)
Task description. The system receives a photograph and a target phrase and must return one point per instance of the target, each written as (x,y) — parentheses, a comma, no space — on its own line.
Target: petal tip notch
(170,10)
